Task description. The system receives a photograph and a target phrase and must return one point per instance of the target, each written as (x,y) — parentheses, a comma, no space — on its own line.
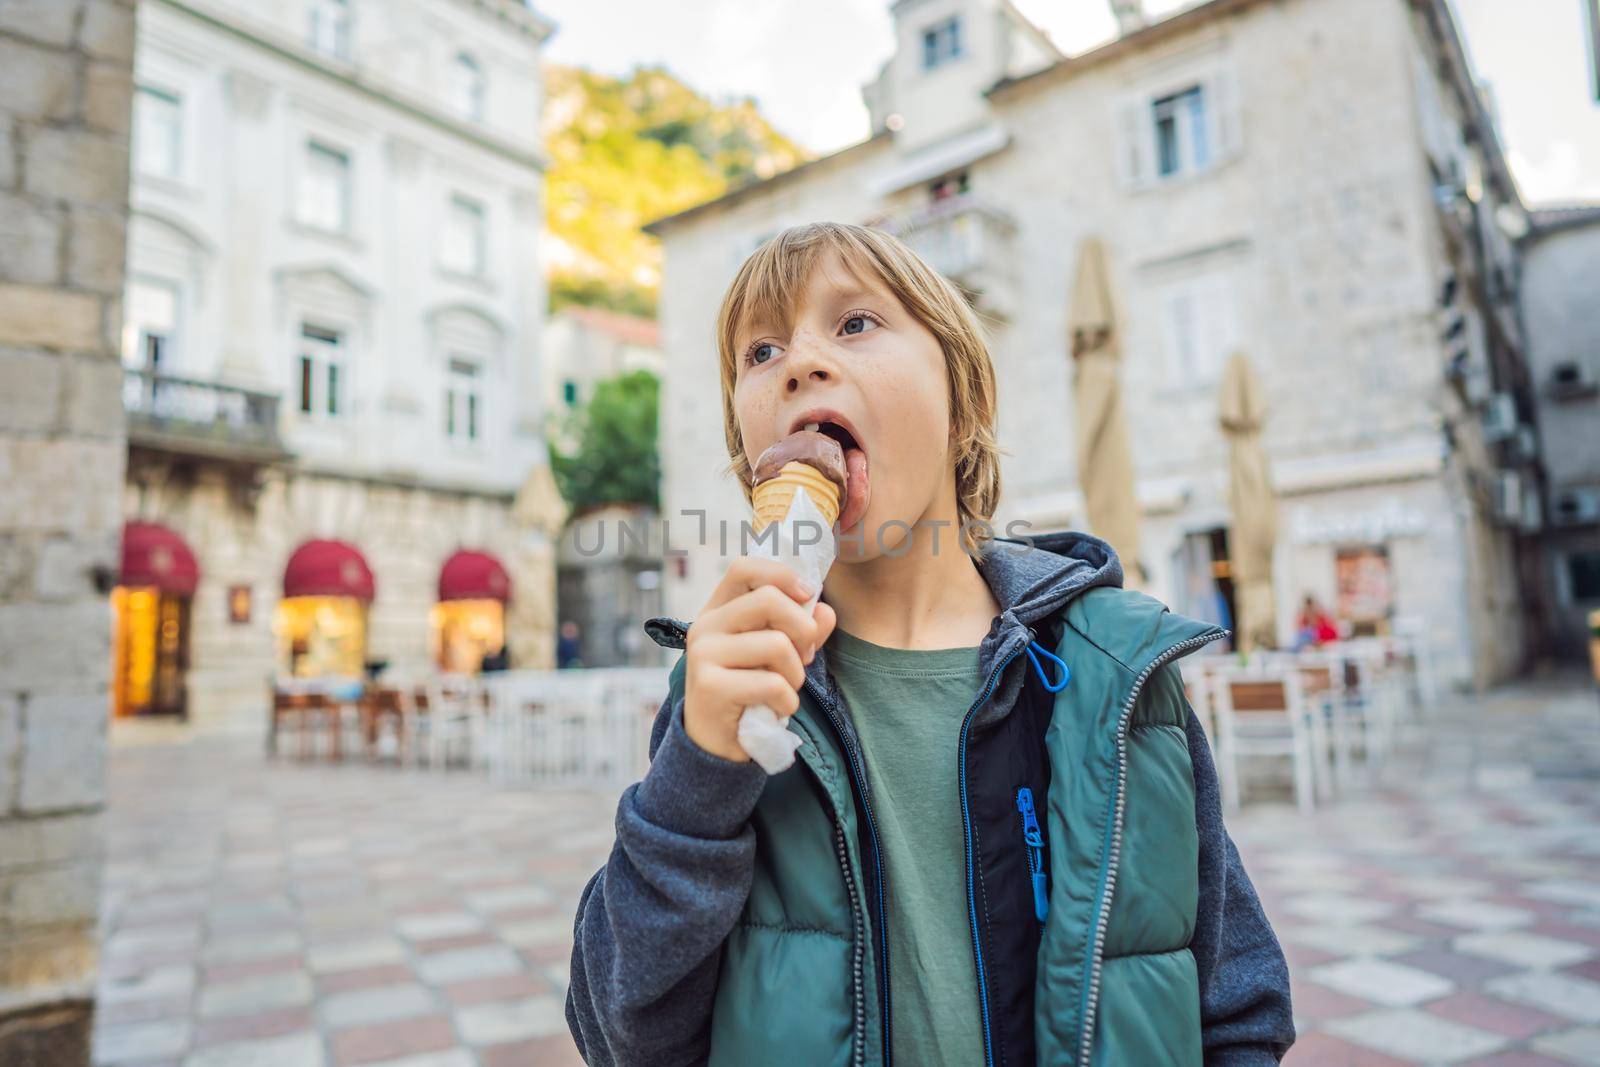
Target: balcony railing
(969,242)
(201,418)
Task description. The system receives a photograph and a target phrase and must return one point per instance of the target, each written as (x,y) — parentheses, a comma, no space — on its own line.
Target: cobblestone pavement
(262,914)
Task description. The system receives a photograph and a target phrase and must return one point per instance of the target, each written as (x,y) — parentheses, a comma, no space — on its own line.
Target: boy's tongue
(857,490)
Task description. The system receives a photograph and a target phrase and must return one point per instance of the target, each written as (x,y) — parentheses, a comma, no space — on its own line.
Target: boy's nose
(816,374)
(807,360)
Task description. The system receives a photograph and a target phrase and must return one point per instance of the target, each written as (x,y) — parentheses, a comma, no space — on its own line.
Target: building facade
(1560,255)
(334,308)
(1313,183)
(66,80)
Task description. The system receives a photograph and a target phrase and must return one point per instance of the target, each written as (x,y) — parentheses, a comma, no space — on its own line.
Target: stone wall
(65,86)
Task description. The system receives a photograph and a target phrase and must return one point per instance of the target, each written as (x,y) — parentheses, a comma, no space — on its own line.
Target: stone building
(65,85)
(1561,254)
(585,345)
(1315,183)
(608,574)
(332,338)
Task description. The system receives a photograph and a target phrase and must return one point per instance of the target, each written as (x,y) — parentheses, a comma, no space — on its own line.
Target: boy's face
(854,355)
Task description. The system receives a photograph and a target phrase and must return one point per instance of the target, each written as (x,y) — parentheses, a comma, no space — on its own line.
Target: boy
(1002,842)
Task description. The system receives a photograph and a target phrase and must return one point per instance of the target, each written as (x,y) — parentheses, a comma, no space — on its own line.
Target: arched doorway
(469,621)
(150,622)
(321,623)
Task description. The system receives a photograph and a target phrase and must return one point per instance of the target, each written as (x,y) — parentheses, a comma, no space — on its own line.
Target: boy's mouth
(857,489)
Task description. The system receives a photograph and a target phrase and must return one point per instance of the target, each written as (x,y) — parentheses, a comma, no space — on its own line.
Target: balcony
(206,419)
(971,243)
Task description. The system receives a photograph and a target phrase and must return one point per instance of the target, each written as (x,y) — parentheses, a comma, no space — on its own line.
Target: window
(941,43)
(467,87)
(157,137)
(325,188)
(952,185)
(330,27)
(321,372)
(465,236)
(1172,133)
(1183,139)
(1200,323)
(463,403)
(150,325)
(569,393)
(1583,572)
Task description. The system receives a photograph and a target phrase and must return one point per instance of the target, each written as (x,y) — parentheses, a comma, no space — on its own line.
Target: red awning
(473,576)
(154,555)
(327,568)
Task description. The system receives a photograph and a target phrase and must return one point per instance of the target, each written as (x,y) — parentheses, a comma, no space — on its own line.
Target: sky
(805,63)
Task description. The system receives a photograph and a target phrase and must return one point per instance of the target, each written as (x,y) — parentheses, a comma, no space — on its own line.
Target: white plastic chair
(1263,714)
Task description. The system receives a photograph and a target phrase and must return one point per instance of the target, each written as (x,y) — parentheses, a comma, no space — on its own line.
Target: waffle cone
(773,496)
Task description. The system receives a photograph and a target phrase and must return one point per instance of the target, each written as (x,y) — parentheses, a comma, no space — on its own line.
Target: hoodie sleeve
(651,922)
(1245,1017)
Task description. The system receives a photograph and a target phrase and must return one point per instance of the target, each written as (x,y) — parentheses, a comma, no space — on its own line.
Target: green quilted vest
(1116,983)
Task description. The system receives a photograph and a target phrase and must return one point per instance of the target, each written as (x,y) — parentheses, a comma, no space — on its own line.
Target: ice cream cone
(773,496)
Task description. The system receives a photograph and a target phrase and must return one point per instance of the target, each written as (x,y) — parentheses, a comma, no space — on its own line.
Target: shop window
(1365,584)
(464,632)
(321,636)
(150,651)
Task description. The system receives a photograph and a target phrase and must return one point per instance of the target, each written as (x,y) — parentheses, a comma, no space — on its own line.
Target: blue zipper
(966,827)
(858,780)
(1034,839)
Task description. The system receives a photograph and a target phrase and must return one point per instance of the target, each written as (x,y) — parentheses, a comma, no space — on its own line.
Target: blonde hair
(767,288)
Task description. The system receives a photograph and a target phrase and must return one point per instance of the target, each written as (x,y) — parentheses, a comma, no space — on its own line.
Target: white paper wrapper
(803,542)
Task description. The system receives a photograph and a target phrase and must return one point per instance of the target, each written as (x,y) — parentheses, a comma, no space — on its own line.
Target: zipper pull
(1034,839)
(1030,821)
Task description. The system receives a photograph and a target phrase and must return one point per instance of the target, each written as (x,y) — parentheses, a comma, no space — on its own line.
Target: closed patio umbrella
(1105,460)
(1243,408)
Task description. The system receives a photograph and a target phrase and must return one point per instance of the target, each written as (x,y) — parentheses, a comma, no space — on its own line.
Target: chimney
(1129,14)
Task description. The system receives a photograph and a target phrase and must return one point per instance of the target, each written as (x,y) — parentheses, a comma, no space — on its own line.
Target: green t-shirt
(907,706)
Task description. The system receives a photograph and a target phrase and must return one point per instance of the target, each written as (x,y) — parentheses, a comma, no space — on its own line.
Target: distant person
(1315,627)
(498,660)
(569,646)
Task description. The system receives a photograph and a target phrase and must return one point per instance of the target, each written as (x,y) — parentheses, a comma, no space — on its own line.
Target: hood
(1034,576)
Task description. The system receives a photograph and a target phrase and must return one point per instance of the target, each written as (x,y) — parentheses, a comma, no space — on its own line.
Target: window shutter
(1133,142)
(1228,121)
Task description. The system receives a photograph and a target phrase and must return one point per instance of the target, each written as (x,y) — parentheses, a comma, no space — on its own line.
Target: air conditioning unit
(1500,418)
(1571,380)
(1506,494)
(1532,513)
(1578,506)
(1525,444)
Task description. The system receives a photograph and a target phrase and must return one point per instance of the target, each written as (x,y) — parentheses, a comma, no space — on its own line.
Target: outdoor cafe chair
(1262,713)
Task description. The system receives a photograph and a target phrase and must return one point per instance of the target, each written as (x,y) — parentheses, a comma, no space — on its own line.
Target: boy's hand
(749,646)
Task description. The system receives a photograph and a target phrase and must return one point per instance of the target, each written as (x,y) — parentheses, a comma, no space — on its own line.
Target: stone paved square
(280,914)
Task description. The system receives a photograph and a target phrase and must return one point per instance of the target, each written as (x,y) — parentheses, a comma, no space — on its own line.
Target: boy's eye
(762,352)
(859,324)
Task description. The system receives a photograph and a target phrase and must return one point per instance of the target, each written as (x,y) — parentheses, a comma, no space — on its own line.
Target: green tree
(605,452)
(624,151)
